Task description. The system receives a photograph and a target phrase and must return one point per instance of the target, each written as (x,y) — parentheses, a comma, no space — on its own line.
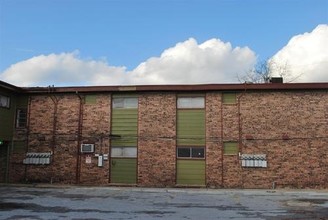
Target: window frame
(191,99)
(122,149)
(8,101)
(125,104)
(191,152)
(19,118)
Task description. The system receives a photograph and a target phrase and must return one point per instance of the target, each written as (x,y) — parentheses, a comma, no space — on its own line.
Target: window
(191,102)
(21,118)
(125,102)
(229,98)
(190,152)
(230,148)
(124,152)
(4,101)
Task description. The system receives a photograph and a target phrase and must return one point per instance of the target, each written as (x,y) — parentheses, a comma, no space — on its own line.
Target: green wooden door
(3,161)
(124,149)
(124,170)
(190,172)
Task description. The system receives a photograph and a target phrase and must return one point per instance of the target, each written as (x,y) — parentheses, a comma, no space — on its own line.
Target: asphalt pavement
(95,203)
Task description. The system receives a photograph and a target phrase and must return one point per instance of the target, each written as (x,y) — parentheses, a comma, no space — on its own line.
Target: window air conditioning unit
(87,148)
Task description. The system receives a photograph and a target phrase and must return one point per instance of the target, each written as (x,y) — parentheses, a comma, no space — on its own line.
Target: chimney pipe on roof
(276,80)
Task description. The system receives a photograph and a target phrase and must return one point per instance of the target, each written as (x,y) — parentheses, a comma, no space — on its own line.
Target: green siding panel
(229,98)
(91,99)
(124,170)
(7,116)
(230,148)
(191,127)
(125,124)
(191,172)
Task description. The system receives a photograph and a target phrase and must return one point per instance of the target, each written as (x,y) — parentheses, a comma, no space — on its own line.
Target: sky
(132,42)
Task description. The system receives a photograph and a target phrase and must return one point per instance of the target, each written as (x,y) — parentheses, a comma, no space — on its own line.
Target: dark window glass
(198,152)
(183,152)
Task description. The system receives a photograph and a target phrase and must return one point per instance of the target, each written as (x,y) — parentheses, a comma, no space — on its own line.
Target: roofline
(10,87)
(178,88)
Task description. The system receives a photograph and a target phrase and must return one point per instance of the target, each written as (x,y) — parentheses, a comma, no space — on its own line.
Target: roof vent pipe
(276,80)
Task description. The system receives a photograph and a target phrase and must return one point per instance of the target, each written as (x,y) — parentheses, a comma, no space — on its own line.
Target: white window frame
(125,102)
(191,102)
(124,152)
(4,101)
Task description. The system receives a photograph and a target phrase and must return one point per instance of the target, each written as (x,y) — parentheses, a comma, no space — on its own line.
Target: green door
(190,172)
(124,170)
(3,161)
(124,124)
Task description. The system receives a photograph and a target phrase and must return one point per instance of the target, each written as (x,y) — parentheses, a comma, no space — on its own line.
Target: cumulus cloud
(187,62)
(305,56)
(64,68)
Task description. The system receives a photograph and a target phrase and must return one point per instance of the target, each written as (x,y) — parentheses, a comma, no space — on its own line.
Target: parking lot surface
(21,202)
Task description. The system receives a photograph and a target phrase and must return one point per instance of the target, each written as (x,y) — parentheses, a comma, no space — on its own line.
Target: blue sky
(128,32)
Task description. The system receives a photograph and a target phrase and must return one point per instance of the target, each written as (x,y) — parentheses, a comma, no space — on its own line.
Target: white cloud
(306,56)
(187,62)
(60,69)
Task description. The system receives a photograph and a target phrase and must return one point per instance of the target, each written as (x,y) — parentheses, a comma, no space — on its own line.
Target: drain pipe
(28,131)
(222,143)
(54,125)
(240,143)
(79,138)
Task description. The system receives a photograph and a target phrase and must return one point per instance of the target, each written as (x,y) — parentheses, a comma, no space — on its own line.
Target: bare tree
(263,71)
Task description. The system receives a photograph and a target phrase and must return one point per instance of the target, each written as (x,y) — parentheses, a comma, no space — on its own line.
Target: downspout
(54,125)
(79,138)
(240,143)
(222,142)
(28,131)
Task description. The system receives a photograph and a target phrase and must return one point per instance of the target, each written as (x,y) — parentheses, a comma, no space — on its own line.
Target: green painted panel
(124,170)
(7,117)
(19,147)
(91,99)
(22,102)
(229,98)
(125,124)
(191,127)
(191,172)
(230,148)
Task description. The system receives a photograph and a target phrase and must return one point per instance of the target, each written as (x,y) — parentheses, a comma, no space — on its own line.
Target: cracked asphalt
(71,202)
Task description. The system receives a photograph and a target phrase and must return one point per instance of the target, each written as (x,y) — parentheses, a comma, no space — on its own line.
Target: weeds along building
(218,135)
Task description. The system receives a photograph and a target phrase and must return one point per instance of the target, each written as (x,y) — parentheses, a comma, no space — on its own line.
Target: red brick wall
(300,161)
(157,145)
(96,129)
(214,152)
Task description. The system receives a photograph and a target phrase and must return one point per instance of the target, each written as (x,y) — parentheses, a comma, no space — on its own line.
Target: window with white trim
(124,152)
(125,102)
(191,102)
(4,101)
(21,118)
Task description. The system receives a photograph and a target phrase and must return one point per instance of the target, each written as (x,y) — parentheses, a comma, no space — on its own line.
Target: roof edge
(181,87)
(10,87)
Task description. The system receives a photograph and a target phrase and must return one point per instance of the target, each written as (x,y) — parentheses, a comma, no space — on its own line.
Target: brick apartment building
(218,135)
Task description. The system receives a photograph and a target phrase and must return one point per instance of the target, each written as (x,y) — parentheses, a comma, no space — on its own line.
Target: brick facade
(289,127)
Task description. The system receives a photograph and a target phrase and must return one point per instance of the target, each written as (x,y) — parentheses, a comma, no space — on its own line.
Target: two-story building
(215,135)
